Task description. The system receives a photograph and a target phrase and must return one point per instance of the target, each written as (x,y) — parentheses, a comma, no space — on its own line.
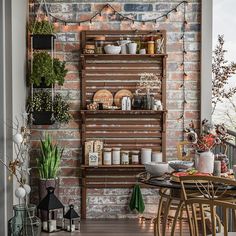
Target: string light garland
(182,86)
(111,10)
(122,17)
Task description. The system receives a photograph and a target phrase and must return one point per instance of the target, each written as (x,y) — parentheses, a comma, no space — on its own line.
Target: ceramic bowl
(111,49)
(179,165)
(156,168)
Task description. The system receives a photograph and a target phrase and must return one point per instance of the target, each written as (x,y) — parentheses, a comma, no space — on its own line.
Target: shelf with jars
(123,108)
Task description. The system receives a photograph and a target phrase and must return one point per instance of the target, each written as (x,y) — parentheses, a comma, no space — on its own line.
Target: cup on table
(217,168)
(234,170)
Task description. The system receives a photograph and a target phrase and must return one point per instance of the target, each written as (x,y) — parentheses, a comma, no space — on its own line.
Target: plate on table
(103,96)
(175,176)
(122,93)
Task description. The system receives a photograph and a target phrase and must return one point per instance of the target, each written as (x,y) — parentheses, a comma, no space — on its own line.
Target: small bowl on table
(179,165)
(156,169)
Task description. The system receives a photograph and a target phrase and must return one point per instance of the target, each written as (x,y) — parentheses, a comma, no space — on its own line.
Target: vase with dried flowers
(203,143)
(24,222)
(149,82)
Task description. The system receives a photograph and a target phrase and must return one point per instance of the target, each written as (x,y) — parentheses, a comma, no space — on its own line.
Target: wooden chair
(180,151)
(213,192)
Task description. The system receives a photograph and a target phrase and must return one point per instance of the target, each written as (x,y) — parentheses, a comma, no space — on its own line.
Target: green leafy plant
(49,161)
(42,101)
(44,67)
(41,27)
(61,109)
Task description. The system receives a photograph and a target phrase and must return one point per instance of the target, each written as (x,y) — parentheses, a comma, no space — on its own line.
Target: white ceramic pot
(157,157)
(132,48)
(204,162)
(146,155)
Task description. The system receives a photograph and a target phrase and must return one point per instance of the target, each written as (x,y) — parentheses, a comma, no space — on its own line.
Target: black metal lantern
(51,205)
(72,220)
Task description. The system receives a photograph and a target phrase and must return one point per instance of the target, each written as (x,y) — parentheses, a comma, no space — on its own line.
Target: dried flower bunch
(19,166)
(210,135)
(149,81)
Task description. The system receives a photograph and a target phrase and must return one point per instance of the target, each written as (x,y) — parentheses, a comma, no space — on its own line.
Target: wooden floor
(119,227)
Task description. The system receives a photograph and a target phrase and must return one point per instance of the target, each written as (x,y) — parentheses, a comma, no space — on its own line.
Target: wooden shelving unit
(129,130)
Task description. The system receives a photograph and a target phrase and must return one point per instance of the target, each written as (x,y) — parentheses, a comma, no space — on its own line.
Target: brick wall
(114,202)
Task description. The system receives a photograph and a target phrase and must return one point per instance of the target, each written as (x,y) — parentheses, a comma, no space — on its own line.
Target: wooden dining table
(171,197)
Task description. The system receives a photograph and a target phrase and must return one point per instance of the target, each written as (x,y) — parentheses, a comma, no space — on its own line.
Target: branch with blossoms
(209,136)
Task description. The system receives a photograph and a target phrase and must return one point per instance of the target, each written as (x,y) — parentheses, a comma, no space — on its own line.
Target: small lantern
(51,205)
(72,220)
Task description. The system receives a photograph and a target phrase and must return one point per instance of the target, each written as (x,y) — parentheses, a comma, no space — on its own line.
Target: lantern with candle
(72,220)
(52,206)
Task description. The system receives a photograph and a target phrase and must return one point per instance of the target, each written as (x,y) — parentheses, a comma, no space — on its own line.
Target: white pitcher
(204,162)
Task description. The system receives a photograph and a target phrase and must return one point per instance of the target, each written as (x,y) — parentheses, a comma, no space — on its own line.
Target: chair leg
(157,230)
(178,210)
(165,216)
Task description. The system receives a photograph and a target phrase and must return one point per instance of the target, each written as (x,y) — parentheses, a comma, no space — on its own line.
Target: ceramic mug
(234,170)
(132,48)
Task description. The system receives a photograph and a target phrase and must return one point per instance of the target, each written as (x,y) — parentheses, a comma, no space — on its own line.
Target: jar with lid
(135,157)
(146,155)
(116,156)
(125,157)
(99,44)
(156,156)
(89,49)
(151,47)
(107,156)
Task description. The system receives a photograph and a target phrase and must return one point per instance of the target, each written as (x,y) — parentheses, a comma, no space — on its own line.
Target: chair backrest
(182,155)
(210,192)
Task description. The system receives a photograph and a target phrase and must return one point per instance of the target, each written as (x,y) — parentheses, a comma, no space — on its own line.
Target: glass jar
(151,47)
(107,156)
(99,44)
(135,157)
(24,222)
(116,156)
(125,158)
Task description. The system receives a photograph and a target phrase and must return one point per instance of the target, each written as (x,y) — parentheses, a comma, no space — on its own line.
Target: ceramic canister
(157,157)
(107,156)
(116,156)
(124,157)
(146,155)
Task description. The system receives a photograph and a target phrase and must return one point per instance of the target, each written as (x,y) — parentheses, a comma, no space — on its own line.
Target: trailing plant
(61,109)
(59,70)
(44,67)
(41,27)
(42,101)
(49,161)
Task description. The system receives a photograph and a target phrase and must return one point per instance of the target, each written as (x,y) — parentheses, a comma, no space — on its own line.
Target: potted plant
(46,70)
(204,141)
(46,111)
(48,164)
(42,34)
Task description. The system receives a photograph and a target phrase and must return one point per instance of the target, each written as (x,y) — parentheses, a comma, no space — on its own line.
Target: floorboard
(117,227)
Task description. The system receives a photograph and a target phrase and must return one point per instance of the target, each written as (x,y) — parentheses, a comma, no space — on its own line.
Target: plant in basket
(204,141)
(47,70)
(42,33)
(46,110)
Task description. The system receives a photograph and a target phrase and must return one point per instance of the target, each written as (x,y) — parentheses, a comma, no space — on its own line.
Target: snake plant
(49,161)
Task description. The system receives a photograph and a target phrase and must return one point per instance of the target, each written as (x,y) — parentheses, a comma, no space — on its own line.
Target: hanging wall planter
(43,118)
(42,37)
(42,42)
(47,109)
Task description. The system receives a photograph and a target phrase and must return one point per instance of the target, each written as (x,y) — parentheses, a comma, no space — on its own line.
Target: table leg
(181,221)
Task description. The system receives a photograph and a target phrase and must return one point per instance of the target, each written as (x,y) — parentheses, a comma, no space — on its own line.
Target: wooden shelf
(116,56)
(112,166)
(121,112)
